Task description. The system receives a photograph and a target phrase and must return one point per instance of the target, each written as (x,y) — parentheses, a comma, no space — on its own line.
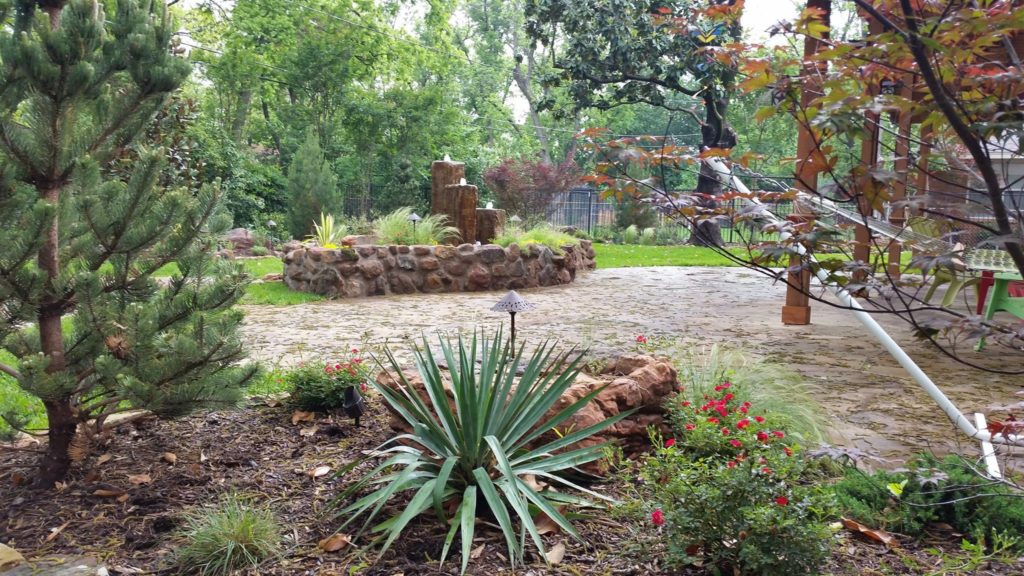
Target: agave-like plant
(479,445)
(326,232)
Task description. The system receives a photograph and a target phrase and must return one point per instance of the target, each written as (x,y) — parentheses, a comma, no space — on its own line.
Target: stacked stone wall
(368,270)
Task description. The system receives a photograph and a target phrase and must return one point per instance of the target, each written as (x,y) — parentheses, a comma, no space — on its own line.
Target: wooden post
(898,215)
(798,304)
(458,203)
(443,173)
(489,223)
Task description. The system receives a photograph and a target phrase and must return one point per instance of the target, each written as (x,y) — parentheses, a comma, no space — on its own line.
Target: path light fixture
(414,218)
(272,226)
(353,403)
(515,220)
(512,303)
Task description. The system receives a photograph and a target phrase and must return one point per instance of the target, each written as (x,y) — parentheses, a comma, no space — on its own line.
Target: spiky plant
(481,450)
(234,535)
(327,233)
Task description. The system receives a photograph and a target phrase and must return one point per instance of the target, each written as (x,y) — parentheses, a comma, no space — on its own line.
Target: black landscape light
(354,404)
(512,303)
(414,218)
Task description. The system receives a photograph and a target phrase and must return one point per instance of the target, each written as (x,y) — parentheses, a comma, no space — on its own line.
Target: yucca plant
(327,234)
(478,451)
(395,228)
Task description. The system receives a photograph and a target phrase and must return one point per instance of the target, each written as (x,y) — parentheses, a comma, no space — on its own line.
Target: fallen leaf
(308,431)
(140,479)
(476,552)
(60,486)
(108,493)
(18,479)
(545,525)
(319,471)
(170,457)
(9,557)
(873,534)
(300,416)
(555,554)
(54,532)
(103,458)
(122,498)
(335,542)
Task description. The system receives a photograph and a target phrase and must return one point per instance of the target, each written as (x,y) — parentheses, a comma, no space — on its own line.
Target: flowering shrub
(727,490)
(321,387)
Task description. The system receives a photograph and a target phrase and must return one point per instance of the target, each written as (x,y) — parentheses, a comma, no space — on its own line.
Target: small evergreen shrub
(321,387)
(259,251)
(232,536)
(728,492)
(931,490)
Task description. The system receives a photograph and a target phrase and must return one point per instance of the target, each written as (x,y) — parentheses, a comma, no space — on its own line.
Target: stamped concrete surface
(871,402)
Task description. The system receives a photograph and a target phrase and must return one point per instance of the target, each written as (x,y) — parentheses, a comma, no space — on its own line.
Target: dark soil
(105,510)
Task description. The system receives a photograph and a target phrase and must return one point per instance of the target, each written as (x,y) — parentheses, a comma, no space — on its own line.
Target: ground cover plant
(324,387)
(543,234)
(476,454)
(234,535)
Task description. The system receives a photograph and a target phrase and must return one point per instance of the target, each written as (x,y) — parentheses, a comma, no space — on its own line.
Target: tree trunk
(523,82)
(62,424)
(241,113)
(273,133)
(715,133)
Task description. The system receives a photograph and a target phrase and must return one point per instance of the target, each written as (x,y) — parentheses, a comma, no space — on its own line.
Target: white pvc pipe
(875,329)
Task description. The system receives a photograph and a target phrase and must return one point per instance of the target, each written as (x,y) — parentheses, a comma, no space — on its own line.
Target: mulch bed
(125,505)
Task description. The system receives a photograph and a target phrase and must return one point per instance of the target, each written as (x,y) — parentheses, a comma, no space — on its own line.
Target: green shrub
(542,234)
(320,387)
(474,457)
(931,490)
(647,237)
(234,535)
(259,251)
(395,228)
(631,234)
(729,491)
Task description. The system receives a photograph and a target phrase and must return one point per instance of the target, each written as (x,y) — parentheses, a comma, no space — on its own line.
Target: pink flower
(362,386)
(670,442)
(722,411)
(726,384)
(337,366)
(713,420)
(355,350)
(658,517)
(766,470)
(781,500)
(728,396)
(736,443)
(718,388)
(690,426)
(762,436)
(742,424)
(778,434)
(725,431)
(730,464)
(743,409)
(759,419)
(641,339)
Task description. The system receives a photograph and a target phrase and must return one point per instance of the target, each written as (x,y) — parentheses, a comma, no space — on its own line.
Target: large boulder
(240,240)
(633,381)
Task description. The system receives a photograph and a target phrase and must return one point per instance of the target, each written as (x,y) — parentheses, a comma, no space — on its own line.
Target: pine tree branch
(10,371)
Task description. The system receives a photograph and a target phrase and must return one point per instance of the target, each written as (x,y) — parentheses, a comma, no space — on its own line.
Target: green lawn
(15,401)
(276,294)
(258,267)
(629,255)
(632,255)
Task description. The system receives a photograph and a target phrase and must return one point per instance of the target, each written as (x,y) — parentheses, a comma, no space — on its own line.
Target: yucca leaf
(442,481)
(540,501)
(484,483)
(419,503)
(511,489)
(572,437)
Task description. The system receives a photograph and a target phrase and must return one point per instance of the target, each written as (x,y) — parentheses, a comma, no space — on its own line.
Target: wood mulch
(126,505)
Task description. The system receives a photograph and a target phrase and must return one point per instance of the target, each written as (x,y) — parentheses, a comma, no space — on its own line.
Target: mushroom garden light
(512,303)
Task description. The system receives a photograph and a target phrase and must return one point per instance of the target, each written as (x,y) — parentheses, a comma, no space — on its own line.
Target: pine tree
(312,187)
(93,332)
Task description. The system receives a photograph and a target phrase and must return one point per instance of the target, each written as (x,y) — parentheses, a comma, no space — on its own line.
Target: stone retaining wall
(358,271)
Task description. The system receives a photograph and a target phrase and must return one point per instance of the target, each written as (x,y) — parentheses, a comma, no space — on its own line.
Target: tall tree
(312,187)
(649,51)
(93,332)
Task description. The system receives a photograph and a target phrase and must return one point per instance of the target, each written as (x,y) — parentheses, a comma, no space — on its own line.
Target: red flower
(641,339)
(362,386)
(781,500)
(743,409)
(713,420)
(329,369)
(728,396)
(337,366)
(762,436)
(766,470)
(670,442)
(718,388)
(730,464)
(778,434)
(736,443)
(355,350)
(722,410)
(787,450)
(690,426)
(742,424)
(726,384)
(658,517)
(686,404)
(759,419)
(725,431)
